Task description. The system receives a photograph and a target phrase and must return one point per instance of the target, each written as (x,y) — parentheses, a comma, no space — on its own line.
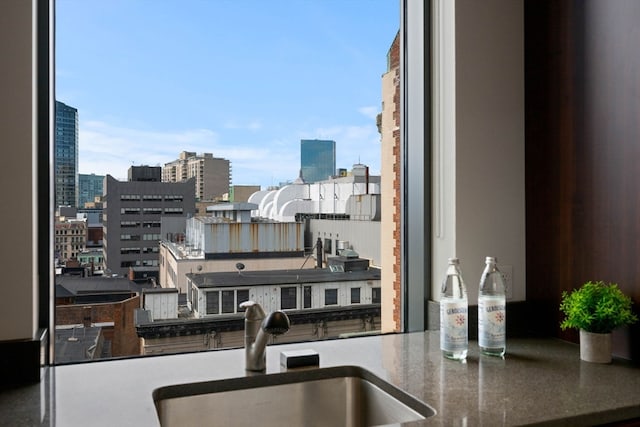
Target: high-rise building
(390,226)
(212,174)
(70,238)
(317,159)
(132,213)
(90,187)
(66,156)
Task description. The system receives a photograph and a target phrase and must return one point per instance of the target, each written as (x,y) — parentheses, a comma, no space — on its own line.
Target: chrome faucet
(257,328)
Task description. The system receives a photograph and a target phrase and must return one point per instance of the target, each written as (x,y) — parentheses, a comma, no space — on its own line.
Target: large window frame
(415,136)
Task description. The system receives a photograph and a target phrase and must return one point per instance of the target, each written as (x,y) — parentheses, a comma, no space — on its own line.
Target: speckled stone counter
(540,381)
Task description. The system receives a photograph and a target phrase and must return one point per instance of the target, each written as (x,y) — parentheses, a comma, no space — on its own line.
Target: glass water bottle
(454,332)
(492,310)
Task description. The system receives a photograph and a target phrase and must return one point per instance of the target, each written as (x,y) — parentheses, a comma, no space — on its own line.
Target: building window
(288,298)
(134,237)
(228,302)
(355,295)
(327,246)
(129,211)
(152,211)
(287,301)
(306,299)
(375,295)
(213,302)
(129,224)
(242,296)
(194,299)
(126,251)
(330,297)
(173,211)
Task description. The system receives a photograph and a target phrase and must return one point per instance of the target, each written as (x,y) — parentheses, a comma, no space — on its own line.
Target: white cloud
(370,112)
(106,149)
(251,125)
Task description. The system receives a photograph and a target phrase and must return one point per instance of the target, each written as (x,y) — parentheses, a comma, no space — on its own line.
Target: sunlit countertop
(540,381)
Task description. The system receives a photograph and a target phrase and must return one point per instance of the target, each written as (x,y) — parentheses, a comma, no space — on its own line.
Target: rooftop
(75,285)
(279,277)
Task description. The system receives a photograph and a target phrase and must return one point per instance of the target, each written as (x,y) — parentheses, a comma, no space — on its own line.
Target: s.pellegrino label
(453,325)
(491,321)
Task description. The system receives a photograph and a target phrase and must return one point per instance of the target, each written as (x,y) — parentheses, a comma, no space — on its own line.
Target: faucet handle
(253,310)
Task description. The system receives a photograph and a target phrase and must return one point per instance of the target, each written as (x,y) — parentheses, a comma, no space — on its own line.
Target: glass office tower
(66,156)
(317,159)
(89,187)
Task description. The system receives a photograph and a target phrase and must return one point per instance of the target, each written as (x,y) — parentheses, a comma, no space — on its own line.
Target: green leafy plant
(596,307)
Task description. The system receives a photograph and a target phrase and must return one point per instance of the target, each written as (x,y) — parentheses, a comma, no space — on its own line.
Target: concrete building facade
(212,175)
(225,238)
(70,238)
(132,219)
(390,226)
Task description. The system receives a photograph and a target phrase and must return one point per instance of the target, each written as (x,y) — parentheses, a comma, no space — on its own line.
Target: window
(242,295)
(173,211)
(134,237)
(152,211)
(330,297)
(288,298)
(222,300)
(130,211)
(375,295)
(213,302)
(355,295)
(194,299)
(225,301)
(306,303)
(126,251)
(327,246)
(228,302)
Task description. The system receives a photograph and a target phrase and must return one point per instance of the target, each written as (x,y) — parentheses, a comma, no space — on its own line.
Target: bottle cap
(491,259)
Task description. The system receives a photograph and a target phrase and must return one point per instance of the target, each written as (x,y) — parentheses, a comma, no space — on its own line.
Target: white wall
(18,251)
(478,155)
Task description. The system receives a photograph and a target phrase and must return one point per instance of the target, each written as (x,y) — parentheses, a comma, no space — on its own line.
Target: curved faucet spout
(257,329)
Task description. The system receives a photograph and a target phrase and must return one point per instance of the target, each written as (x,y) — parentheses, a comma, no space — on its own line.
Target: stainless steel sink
(336,396)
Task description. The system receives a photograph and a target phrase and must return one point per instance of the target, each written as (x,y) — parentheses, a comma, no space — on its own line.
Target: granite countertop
(540,381)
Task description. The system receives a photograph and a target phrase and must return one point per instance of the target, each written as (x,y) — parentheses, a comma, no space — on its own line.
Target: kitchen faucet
(257,328)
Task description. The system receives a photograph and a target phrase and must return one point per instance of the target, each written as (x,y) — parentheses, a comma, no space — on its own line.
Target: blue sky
(242,79)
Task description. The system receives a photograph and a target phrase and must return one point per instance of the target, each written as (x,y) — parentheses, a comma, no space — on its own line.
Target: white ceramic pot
(594,347)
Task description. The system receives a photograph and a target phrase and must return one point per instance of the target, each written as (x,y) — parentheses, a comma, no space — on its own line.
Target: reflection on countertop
(539,381)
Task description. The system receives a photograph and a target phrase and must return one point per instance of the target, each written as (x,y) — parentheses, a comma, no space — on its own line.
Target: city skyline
(242,80)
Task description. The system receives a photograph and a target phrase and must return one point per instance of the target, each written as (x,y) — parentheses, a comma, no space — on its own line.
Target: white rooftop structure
(325,197)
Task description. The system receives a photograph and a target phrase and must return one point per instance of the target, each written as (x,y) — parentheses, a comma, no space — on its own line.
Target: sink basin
(336,396)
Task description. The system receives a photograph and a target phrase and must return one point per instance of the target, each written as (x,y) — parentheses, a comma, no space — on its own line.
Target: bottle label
(491,322)
(453,325)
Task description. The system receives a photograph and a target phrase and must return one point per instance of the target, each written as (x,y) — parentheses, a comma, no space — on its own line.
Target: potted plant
(596,309)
